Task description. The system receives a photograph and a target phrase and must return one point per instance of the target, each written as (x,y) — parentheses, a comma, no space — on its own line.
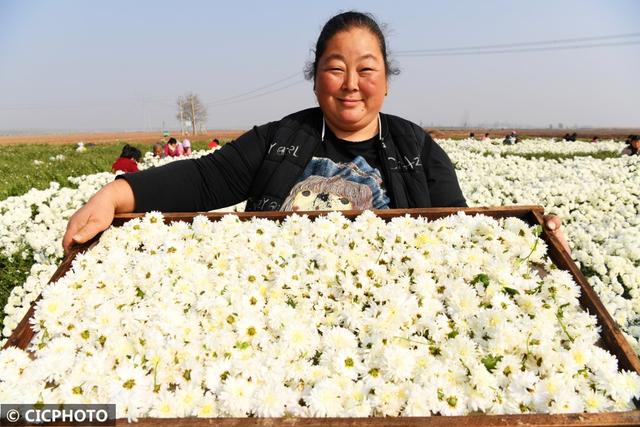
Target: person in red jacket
(128,160)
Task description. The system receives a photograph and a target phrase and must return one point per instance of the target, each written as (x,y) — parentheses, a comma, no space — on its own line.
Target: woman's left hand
(553,225)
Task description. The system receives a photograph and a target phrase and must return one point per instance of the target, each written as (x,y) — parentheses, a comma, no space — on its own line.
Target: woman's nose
(350,82)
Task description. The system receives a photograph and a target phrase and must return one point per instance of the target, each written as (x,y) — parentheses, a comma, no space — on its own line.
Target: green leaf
(490,361)
(537,230)
(242,345)
(481,278)
(510,291)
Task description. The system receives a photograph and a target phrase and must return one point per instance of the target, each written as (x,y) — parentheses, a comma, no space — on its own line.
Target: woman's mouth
(349,102)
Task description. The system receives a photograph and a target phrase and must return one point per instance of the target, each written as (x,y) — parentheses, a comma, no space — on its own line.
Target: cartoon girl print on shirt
(327,185)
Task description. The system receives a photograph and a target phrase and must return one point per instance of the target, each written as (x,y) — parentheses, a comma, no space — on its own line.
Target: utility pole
(181,119)
(193,117)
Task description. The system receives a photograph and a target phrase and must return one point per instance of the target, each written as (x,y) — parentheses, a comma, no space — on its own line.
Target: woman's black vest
(293,143)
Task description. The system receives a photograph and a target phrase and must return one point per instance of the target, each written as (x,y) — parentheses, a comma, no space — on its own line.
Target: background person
(510,139)
(172,148)
(128,160)
(384,160)
(158,150)
(633,145)
(186,147)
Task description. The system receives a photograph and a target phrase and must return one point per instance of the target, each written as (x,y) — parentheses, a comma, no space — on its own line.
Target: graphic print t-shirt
(342,175)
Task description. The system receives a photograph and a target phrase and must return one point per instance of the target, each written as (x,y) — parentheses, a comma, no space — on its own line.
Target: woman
(343,155)
(128,160)
(173,149)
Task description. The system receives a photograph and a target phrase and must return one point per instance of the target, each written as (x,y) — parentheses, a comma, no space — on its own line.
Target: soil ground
(110,137)
(585,134)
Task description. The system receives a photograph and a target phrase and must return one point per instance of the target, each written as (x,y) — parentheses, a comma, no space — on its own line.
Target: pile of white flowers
(330,318)
(599,203)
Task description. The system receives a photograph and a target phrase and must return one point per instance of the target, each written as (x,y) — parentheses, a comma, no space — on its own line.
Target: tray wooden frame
(612,337)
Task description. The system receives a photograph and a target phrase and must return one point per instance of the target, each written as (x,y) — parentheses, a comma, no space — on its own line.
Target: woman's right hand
(97,214)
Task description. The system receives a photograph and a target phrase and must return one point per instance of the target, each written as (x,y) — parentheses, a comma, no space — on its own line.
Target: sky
(120,65)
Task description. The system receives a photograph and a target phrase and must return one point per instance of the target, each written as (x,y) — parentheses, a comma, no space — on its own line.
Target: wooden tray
(612,338)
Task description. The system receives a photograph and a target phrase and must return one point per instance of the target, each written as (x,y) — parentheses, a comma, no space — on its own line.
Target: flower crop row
(534,146)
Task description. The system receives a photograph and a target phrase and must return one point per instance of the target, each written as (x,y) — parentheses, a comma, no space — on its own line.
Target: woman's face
(351,83)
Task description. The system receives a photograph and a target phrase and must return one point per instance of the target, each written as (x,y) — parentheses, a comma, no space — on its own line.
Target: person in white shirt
(186,145)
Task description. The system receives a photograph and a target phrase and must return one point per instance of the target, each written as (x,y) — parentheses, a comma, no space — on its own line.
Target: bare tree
(192,111)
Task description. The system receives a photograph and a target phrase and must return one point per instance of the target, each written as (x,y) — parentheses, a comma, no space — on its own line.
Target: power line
(510,45)
(240,95)
(531,49)
(255,96)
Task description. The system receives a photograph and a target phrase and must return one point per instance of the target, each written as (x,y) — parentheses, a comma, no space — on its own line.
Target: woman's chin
(351,121)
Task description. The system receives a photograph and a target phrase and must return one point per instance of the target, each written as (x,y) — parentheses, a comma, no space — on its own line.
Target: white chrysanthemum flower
(14,362)
(325,399)
(207,407)
(595,401)
(236,397)
(272,400)
(417,405)
(338,338)
(625,386)
(163,405)
(398,362)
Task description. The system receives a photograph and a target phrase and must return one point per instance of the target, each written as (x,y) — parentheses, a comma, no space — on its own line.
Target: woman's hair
(172,141)
(131,152)
(344,22)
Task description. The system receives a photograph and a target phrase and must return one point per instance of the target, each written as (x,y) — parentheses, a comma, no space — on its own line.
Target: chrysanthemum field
(405,318)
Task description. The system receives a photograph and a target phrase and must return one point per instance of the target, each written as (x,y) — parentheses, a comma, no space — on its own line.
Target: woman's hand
(97,214)
(552,225)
